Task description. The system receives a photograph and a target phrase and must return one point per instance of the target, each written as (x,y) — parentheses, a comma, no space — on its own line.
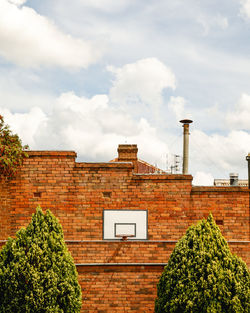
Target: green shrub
(203,276)
(12,152)
(37,273)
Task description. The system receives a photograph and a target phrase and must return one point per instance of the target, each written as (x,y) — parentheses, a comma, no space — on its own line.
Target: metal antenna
(176,163)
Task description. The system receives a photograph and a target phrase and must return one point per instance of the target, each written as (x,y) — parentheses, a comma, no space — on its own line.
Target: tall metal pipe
(185,123)
(248,161)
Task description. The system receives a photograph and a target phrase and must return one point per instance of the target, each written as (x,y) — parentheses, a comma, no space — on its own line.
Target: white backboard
(131,223)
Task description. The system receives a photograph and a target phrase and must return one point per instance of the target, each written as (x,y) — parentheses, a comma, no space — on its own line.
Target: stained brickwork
(119,276)
(119,288)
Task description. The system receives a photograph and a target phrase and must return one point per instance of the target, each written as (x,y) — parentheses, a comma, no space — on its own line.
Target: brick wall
(119,288)
(119,276)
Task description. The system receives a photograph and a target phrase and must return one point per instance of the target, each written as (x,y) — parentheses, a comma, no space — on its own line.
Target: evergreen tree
(203,276)
(37,272)
(12,152)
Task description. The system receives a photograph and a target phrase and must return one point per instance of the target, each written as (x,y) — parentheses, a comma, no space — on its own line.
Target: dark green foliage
(12,152)
(203,276)
(37,273)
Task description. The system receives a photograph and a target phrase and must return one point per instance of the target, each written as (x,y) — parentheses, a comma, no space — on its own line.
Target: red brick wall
(229,205)
(77,193)
(119,288)
(4,209)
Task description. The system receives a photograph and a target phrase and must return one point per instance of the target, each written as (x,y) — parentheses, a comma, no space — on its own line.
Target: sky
(87,75)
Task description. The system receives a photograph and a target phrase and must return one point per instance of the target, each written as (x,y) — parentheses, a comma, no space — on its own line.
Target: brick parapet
(218,189)
(167,177)
(108,165)
(53,154)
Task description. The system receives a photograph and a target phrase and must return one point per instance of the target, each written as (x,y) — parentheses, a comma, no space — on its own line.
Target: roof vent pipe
(234,179)
(186,134)
(248,161)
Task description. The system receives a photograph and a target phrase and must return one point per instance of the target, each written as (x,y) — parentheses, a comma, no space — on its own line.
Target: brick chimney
(128,153)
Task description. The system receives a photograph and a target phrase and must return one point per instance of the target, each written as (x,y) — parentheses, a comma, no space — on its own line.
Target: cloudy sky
(86,75)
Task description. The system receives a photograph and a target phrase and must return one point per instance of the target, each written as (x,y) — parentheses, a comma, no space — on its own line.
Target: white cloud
(141,82)
(15,95)
(24,124)
(178,106)
(222,22)
(93,127)
(240,117)
(97,128)
(90,126)
(222,154)
(109,6)
(29,39)
(212,22)
(245,8)
(17,2)
(203,179)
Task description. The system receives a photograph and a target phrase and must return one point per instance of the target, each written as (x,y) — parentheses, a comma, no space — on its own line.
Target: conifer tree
(202,275)
(12,153)
(37,272)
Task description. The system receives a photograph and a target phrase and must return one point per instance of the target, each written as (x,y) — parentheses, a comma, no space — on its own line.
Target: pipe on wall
(248,161)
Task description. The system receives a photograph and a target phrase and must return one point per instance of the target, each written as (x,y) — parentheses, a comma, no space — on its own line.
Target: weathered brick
(77,193)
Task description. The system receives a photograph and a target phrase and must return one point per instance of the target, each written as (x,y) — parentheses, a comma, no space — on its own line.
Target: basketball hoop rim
(124,237)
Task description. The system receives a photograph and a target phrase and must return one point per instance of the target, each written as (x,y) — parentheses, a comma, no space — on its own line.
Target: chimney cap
(234,179)
(129,146)
(186,121)
(234,174)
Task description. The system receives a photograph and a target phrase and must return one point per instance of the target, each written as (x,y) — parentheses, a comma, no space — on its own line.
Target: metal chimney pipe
(234,179)
(248,161)
(185,123)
